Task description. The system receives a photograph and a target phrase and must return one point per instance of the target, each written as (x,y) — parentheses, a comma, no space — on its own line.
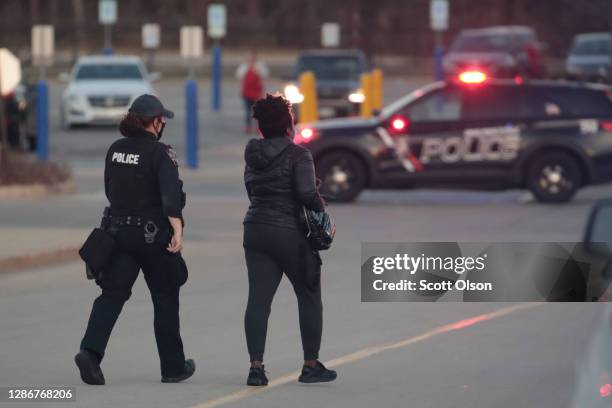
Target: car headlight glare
(356,97)
(293,94)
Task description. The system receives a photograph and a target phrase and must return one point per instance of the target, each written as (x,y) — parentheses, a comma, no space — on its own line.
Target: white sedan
(101,88)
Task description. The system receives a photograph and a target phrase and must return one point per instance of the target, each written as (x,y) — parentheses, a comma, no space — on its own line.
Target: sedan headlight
(293,94)
(74,98)
(356,96)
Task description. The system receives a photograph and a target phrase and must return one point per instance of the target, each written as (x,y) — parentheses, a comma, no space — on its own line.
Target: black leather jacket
(280,178)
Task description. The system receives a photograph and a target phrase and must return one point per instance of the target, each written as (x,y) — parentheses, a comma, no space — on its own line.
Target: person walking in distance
(251,75)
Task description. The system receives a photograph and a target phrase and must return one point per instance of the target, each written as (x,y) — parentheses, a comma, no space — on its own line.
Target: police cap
(151,106)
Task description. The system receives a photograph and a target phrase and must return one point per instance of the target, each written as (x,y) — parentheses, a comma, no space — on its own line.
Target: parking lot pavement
(391,354)
(535,348)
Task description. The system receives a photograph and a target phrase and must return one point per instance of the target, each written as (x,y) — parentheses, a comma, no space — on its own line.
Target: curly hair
(273,113)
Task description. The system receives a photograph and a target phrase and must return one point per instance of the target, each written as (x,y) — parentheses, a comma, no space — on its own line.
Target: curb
(36,190)
(47,258)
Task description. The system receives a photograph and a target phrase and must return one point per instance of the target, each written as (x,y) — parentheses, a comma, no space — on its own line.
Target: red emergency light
(305,135)
(398,124)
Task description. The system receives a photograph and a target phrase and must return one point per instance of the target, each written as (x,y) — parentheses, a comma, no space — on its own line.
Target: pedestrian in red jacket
(251,74)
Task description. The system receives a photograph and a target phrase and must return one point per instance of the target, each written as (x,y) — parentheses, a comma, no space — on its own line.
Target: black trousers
(271,251)
(248,109)
(164,273)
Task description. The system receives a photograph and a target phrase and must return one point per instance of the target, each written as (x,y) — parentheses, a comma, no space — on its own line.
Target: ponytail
(132,124)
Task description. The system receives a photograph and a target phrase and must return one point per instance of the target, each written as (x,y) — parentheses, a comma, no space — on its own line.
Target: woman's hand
(176,243)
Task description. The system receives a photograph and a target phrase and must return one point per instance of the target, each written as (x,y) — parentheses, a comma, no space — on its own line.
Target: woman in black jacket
(280,180)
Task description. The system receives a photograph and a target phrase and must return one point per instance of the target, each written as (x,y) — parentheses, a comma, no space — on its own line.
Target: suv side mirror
(64,77)
(598,232)
(154,76)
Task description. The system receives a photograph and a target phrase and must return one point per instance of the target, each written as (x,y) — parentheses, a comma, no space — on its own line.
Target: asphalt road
(387,355)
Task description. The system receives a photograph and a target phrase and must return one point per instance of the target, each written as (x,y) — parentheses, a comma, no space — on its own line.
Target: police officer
(145,219)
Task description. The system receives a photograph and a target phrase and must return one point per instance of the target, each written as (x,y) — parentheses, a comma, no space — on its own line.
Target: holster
(179,273)
(96,252)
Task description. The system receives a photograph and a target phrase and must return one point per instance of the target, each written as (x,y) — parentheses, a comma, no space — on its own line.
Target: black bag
(320,229)
(97,252)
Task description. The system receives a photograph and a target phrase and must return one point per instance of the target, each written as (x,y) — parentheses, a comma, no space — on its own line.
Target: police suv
(473,132)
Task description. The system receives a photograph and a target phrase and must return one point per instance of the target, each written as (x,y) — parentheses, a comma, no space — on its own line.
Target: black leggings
(269,252)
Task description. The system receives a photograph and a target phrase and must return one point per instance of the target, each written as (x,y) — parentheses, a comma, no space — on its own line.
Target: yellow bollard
(366,87)
(309,111)
(377,89)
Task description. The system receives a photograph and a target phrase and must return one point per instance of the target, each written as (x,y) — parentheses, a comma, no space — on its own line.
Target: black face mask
(161,131)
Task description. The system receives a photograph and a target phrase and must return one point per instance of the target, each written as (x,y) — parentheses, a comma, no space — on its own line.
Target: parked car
(101,88)
(338,75)
(503,52)
(590,57)
(477,133)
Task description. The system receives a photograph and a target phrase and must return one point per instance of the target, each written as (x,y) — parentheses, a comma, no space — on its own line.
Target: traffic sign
(330,35)
(438,13)
(150,36)
(192,43)
(10,72)
(43,39)
(217,20)
(107,11)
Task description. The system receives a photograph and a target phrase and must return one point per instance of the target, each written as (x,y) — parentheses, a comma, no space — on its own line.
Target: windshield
(332,67)
(108,71)
(393,107)
(591,47)
(482,43)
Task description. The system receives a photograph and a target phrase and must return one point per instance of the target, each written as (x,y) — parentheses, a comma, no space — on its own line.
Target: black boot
(257,376)
(188,371)
(89,366)
(317,374)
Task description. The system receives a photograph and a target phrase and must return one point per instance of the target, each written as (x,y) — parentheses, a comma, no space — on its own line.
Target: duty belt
(129,220)
(112,221)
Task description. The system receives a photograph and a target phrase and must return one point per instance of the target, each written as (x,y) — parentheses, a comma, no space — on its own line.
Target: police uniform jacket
(141,175)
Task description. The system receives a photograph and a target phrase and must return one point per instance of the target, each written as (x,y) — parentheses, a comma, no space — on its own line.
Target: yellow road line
(370,351)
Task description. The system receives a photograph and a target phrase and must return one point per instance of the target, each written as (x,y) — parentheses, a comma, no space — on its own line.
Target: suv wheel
(554,177)
(343,176)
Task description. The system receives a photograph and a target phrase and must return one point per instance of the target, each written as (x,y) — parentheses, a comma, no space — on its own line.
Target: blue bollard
(439,70)
(191,123)
(216,78)
(42,121)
